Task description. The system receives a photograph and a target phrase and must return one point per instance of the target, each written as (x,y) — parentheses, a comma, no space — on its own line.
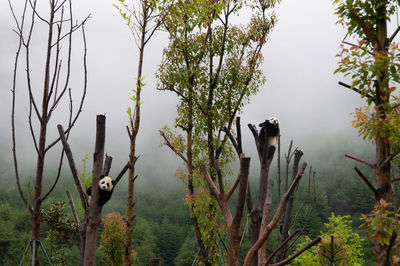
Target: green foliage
(12,225)
(143,241)
(187,253)
(85,177)
(366,10)
(86,180)
(112,238)
(374,70)
(383,226)
(168,238)
(347,245)
(61,228)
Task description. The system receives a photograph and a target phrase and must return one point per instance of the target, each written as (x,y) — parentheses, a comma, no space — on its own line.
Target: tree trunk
(382,171)
(93,219)
(262,255)
(38,190)
(234,229)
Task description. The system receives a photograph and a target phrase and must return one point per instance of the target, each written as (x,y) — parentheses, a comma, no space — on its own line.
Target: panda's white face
(106,183)
(273,120)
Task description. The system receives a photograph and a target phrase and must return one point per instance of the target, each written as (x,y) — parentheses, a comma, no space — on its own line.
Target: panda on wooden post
(268,136)
(106,188)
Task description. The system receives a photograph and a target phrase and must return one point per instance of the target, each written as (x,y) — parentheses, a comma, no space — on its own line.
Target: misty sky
(299,61)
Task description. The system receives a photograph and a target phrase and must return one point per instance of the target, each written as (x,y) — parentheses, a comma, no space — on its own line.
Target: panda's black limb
(271,151)
(89,191)
(104,196)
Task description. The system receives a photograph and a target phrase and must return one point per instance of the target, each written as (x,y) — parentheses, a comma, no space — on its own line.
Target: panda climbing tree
(106,188)
(268,137)
(100,191)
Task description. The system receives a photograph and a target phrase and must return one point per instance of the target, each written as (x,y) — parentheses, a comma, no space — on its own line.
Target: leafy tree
(112,238)
(346,248)
(372,61)
(212,65)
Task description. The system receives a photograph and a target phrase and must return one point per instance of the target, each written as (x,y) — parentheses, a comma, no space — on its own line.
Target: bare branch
(210,183)
(254,131)
(123,171)
(281,208)
(232,139)
(37,14)
(71,202)
(31,127)
(233,186)
(365,27)
(354,89)
(394,34)
(62,152)
(74,28)
(13,91)
(389,158)
(281,246)
(365,180)
(239,135)
(107,165)
(355,45)
(308,215)
(289,259)
(74,172)
(172,147)
(360,160)
(83,94)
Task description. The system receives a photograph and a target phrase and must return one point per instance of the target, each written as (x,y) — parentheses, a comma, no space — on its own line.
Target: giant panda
(268,136)
(106,187)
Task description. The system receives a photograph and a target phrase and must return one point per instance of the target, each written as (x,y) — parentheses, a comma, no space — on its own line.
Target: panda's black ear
(102,176)
(113,182)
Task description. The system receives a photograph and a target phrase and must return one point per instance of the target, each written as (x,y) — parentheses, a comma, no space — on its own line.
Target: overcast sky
(301,89)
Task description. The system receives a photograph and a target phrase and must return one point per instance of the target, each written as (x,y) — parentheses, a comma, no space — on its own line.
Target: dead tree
(89,228)
(287,218)
(261,222)
(43,99)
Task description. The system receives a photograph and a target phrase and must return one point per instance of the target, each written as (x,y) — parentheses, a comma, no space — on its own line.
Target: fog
(301,90)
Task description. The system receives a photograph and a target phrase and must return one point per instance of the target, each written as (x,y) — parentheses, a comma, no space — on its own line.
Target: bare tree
(261,224)
(43,99)
(89,228)
(143,20)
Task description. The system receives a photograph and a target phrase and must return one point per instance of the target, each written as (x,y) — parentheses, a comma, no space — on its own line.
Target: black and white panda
(106,187)
(268,136)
